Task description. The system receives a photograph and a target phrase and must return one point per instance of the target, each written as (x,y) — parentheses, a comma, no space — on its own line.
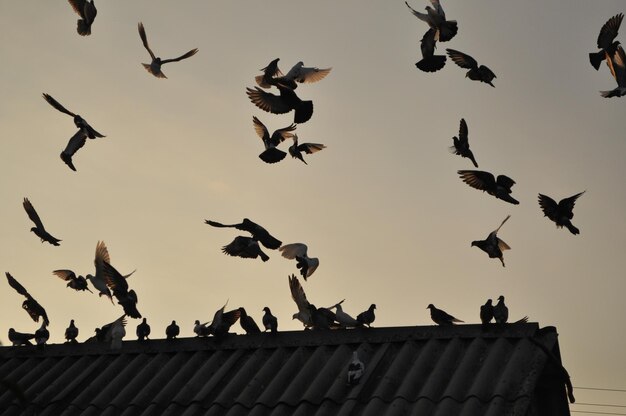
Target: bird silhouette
(39,229)
(486,182)
(368,316)
(270,322)
(172,331)
(119,288)
(430,62)
(562,213)
(155,66)
(272,154)
(296,150)
(273,76)
(20,338)
(79,122)
(98,280)
(486,313)
(283,103)
(30,305)
(606,41)
(42,335)
(87,11)
(222,321)
(78,283)
(143,330)
(344,319)
(440,317)
(76,142)
(435,17)
(617,65)
(356,369)
(258,232)
(492,245)
(475,73)
(500,311)
(299,297)
(245,247)
(461,145)
(71,332)
(201,330)
(247,322)
(306,265)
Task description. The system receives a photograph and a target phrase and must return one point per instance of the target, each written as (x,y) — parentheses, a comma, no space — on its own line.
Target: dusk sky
(382,206)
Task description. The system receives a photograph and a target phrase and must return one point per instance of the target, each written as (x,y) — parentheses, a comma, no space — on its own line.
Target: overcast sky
(382,206)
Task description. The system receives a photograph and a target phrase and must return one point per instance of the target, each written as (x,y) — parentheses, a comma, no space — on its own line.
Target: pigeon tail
(617,92)
(272,155)
(508,198)
(596,59)
(68,160)
(263,256)
(83,28)
(303,112)
(572,229)
(448,30)
(431,64)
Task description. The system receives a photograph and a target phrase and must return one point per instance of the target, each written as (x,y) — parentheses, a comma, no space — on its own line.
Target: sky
(382,206)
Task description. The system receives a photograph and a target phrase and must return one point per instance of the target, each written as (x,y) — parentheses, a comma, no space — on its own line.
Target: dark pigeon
(440,317)
(435,17)
(475,73)
(617,65)
(30,305)
(606,41)
(20,338)
(247,322)
(222,321)
(71,332)
(272,76)
(143,330)
(461,144)
(492,245)
(296,150)
(562,213)
(79,122)
(245,247)
(356,368)
(282,104)
(172,330)
(155,66)
(272,154)
(368,316)
(78,283)
(76,142)
(119,288)
(258,233)
(500,311)
(485,181)
(430,62)
(486,313)
(42,335)
(270,322)
(87,11)
(39,229)
(201,330)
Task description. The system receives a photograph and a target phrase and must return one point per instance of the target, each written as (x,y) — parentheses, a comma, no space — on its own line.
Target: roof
(424,370)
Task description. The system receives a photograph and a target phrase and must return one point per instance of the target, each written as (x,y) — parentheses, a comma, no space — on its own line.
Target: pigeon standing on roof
(492,245)
(143,330)
(283,103)
(500,311)
(272,154)
(79,122)
(344,319)
(87,11)
(270,322)
(486,313)
(42,335)
(368,316)
(606,41)
(247,322)
(323,318)
(461,144)
(155,66)
(118,332)
(98,280)
(38,229)
(475,73)
(172,330)
(440,317)
(30,305)
(201,330)
(562,213)
(222,321)
(20,338)
(71,332)
(296,150)
(356,368)
(119,287)
(435,17)
(77,283)
(306,265)
(430,62)
(486,182)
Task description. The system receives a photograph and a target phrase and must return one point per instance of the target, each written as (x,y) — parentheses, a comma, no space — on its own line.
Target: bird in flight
(307,265)
(486,182)
(248,247)
(475,73)
(492,245)
(155,66)
(272,154)
(435,17)
(606,41)
(77,283)
(461,145)
(273,76)
(430,62)
(119,288)
(87,11)
(79,122)
(283,103)
(440,317)
(562,213)
(39,229)
(296,150)
(30,305)
(617,65)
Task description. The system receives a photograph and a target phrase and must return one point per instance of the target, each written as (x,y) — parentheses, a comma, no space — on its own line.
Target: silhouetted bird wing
(548,206)
(461,59)
(567,204)
(32,214)
(258,232)
(299,297)
(114,280)
(30,305)
(437,6)
(144,39)
(505,181)
(617,65)
(463,133)
(310,147)
(180,58)
(478,179)
(54,103)
(422,16)
(291,251)
(65,274)
(76,142)
(245,247)
(427,44)
(302,74)
(17,286)
(609,31)
(267,101)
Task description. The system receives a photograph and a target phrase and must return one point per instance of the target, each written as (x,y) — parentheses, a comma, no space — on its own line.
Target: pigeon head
(501,298)
(489,301)
(196,323)
(474,243)
(430,306)
(34,230)
(295,316)
(373,306)
(266,309)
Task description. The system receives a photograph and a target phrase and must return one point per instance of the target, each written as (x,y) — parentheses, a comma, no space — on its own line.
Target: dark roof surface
(428,370)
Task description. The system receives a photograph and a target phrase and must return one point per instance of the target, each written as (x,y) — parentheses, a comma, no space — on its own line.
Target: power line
(600,389)
(599,404)
(597,413)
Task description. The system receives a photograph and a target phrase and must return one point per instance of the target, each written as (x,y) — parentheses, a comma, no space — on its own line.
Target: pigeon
(119,287)
(78,283)
(344,319)
(245,247)
(77,141)
(222,321)
(606,41)
(486,313)
(500,311)
(281,104)
(98,280)
(430,62)
(201,330)
(20,338)
(30,305)
(79,122)
(356,368)
(247,322)
(323,318)
(461,144)
(436,20)
(42,335)
(39,229)
(440,317)
(258,233)
(272,154)
(617,65)
(485,181)
(306,265)
(270,322)
(492,245)
(475,73)
(143,330)
(155,66)
(302,74)
(299,297)
(172,330)
(296,150)
(111,333)
(71,332)
(87,11)
(561,213)
(272,75)
(367,317)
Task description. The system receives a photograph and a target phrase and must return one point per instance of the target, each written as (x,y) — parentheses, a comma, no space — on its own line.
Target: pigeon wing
(422,16)
(609,31)
(144,39)
(478,179)
(32,214)
(310,147)
(54,103)
(261,130)
(461,59)
(298,295)
(463,132)
(438,8)
(90,12)
(76,142)
(505,181)
(17,286)
(291,251)
(78,6)
(548,206)
(65,274)
(267,101)
(114,279)
(502,245)
(283,134)
(180,58)
(567,204)
(307,74)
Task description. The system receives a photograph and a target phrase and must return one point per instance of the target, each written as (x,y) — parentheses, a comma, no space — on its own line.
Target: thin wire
(599,389)
(597,413)
(598,404)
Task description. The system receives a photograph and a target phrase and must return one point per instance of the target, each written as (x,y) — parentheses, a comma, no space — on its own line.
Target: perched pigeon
(247,322)
(368,316)
(172,330)
(119,287)
(245,247)
(98,280)
(222,321)
(344,319)
(323,318)
(39,229)
(500,311)
(30,305)
(486,313)
(71,332)
(87,11)
(306,265)
(20,338)
(475,73)
(111,333)
(79,122)
(560,213)
(440,317)
(272,154)
(42,335)
(606,41)
(356,368)
(281,104)
(492,245)
(77,141)
(461,144)
(436,20)
(485,181)
(143,330)
(296,150)
(270,322)
(155,66)
(77,283)
(201,330)
(430,62)
(258,233)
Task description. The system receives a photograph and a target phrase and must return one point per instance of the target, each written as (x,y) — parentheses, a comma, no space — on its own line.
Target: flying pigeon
(356,368)
(79,122)
(155,66)
(302,74)
(42,335)
(475,73)
(560,213)
(440,317)
(247,322)
(119,287)
(344,319)
(258,233)
(245,247)
(367,317)
(296,150)
(272,154)
(71,332)
(20,338)
(172,330)
(430,62)
(500,311)
(222,321)
(606,41)
(77,141)
(281,104)
(306,265)
(485,181)
(299,297)
(436,20)
(461,144)
(39,229)
(77,283)
(98,280)
(272,75)
(87,11)
(201,330)
(143,330)
(270,322)
(492,245)
(486,313)
(30,305)
(617,65)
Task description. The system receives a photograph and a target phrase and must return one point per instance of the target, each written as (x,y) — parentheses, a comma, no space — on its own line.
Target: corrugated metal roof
(440,371)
